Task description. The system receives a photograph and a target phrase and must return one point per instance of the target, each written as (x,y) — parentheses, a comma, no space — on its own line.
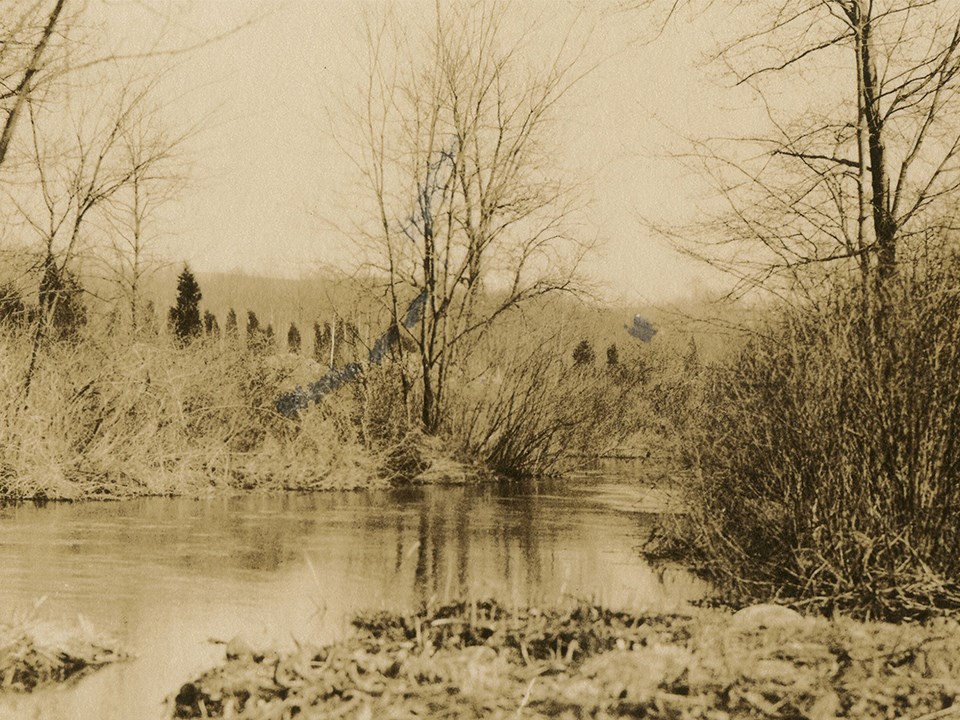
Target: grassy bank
(34,653)
(113,415)
(828,456)
(109,417)
(482,660)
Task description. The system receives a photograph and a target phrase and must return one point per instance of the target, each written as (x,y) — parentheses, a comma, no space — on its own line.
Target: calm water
(168,575)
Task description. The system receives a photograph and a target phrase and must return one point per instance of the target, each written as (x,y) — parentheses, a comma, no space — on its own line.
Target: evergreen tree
(321,343)
(253,325)
(583,354)
(210,325)
(255,339)
(13,310)
(230,327)
(293,339)
(61,303)
(691,361)
(613,355)
(184,317)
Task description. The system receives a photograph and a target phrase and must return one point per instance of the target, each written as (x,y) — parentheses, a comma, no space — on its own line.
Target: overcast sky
(269,173)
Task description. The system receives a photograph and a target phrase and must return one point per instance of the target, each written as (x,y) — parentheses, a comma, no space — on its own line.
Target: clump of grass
(829,456)
(34,653)
(480,659)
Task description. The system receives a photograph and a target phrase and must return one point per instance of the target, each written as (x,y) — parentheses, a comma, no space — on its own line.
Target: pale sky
(268,170)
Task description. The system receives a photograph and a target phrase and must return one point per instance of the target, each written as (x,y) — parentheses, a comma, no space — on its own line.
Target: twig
(526,697)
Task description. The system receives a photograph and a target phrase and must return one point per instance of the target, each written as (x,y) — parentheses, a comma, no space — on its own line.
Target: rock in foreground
(482,660)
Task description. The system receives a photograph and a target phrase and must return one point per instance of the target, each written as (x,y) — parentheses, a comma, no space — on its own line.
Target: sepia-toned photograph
(479,359)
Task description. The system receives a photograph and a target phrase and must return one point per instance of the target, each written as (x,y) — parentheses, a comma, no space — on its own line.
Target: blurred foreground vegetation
(483,660)
(34,653)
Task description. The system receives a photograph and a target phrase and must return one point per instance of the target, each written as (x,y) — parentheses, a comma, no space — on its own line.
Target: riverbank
(112,419)
(117,417)
(483,660)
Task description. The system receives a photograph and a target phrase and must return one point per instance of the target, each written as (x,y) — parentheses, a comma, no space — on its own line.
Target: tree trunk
(428,408)
(884,225)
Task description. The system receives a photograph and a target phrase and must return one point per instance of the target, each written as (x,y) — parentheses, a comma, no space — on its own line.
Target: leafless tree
(861,102)
(469,210)
(132,216)
(83,154)
(43,41)
(22,47)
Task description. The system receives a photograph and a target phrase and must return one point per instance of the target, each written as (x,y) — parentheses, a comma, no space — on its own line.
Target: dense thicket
(829,454)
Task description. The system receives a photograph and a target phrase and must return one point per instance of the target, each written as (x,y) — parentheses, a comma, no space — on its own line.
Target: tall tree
(150,152)
(456,122)
(862,154)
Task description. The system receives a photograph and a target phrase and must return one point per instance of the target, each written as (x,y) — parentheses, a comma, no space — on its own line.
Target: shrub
(829,456)
(523,411)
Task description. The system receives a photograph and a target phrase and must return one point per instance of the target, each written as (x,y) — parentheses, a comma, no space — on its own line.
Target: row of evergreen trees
(332,344)
(61,312)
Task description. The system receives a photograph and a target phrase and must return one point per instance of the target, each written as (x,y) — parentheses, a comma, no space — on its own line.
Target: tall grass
(829,456)
(110,416)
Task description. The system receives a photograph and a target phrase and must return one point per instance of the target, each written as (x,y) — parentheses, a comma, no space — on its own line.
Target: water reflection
(166,575)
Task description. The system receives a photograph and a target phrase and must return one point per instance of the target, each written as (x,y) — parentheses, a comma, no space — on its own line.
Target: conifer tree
(210,325)
(61,302)
(230,327)
(321,342)
(253,324)
(583,354)
(613,355)
(293,339)
(185,315)
(13,311)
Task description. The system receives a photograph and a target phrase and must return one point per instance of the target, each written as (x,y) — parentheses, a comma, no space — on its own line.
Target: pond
(168,576)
